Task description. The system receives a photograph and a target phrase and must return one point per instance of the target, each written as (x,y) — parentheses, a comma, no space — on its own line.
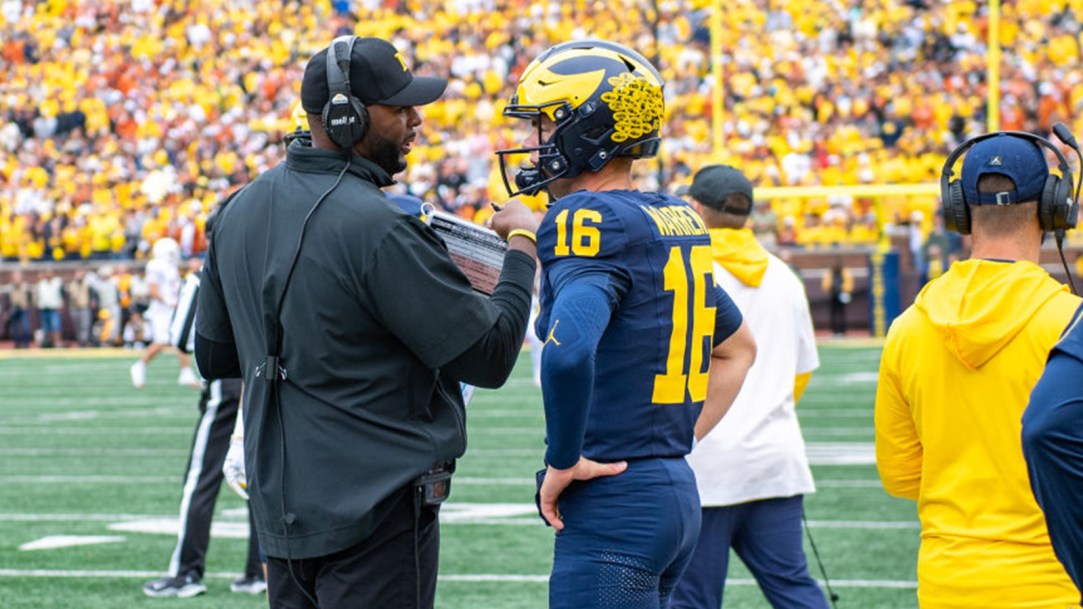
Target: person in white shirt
(105,287)
(81,306)
(164,283)
(50,299)
(751,470)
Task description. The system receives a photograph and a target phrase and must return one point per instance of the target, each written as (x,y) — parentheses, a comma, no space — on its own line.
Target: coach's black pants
(394,568)
(218,412)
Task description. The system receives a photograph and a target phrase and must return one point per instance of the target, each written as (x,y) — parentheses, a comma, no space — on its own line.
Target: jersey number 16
(689,285)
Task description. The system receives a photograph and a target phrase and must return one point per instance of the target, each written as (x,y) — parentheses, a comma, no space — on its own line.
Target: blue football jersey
(1071,342)
(651,253)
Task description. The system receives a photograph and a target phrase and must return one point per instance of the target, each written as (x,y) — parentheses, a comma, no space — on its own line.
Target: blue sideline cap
(1014,157)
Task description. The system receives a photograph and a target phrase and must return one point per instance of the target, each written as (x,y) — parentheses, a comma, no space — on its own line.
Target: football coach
(352,329)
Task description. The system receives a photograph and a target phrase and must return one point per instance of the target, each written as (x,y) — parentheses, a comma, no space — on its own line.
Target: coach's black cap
(713,184)
(378,75)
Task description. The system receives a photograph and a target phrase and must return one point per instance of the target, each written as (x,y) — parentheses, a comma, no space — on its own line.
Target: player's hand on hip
(556,480)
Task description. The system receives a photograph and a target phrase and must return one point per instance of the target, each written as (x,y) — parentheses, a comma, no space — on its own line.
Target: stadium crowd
(102,307)
(122,121)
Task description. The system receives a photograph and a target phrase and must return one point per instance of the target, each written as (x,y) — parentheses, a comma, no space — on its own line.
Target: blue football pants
(626,538)
(766,535)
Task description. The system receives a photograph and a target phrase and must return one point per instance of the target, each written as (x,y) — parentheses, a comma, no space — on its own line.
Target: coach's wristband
(522,232)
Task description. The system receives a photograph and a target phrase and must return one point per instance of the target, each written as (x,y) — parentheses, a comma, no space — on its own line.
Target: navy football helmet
(605,100)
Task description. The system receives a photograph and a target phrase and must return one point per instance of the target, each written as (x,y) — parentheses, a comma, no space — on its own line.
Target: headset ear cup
(325,120)
(1047,205)
(956,213)
(945,203)
(1064,207)
(362,126)
(1071,213)
(347,123)
(344,116)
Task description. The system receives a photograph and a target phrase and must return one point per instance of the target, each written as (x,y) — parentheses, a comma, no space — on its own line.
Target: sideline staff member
(351,390)
(751,470)
(955,374)
(626,294)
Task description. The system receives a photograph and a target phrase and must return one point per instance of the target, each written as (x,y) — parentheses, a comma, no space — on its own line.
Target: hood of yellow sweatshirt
(980,305)
(738,251)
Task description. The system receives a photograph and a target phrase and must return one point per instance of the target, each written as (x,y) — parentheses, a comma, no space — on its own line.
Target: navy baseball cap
(1019,159)
(378,75)
(713,184)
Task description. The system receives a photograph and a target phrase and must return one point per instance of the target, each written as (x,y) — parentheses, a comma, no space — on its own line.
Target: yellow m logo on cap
(402,60)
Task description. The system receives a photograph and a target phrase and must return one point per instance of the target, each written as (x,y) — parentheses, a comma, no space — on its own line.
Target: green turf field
(90,478)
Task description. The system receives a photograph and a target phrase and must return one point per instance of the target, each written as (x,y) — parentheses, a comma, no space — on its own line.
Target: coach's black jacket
(378,326)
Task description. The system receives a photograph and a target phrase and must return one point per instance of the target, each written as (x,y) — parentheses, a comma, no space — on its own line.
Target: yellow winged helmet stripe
(540,85)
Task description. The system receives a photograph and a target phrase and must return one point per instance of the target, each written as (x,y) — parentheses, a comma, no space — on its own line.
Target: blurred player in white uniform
(164,281)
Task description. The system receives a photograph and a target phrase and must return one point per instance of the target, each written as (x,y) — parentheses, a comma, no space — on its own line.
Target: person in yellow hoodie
(957,368)
(751,469)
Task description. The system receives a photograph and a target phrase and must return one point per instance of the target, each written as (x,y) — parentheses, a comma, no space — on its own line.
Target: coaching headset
(1057,208)
(344,116)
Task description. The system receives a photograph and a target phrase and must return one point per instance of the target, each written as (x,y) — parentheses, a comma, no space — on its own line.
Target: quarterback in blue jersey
(1053,447)
(642,352)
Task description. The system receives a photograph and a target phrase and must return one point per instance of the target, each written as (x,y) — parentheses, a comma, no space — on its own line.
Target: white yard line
(88,479)
(849,484)
(93,452)
(820,453)
(55,430)
(841,453)
(470,578)
(507,431)
(453,513)
(501,413)
(77,517)
(502,453)
(469,481)
(811,432)
(460,480)
(829,397)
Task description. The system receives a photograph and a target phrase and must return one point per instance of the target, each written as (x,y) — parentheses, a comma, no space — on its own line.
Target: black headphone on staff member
(344,116)
(1016,155)
(357,72)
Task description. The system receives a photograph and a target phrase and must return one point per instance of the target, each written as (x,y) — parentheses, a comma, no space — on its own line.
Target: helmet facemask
(551,165)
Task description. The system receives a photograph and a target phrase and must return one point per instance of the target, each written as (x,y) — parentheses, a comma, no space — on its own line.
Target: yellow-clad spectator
(202,90)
